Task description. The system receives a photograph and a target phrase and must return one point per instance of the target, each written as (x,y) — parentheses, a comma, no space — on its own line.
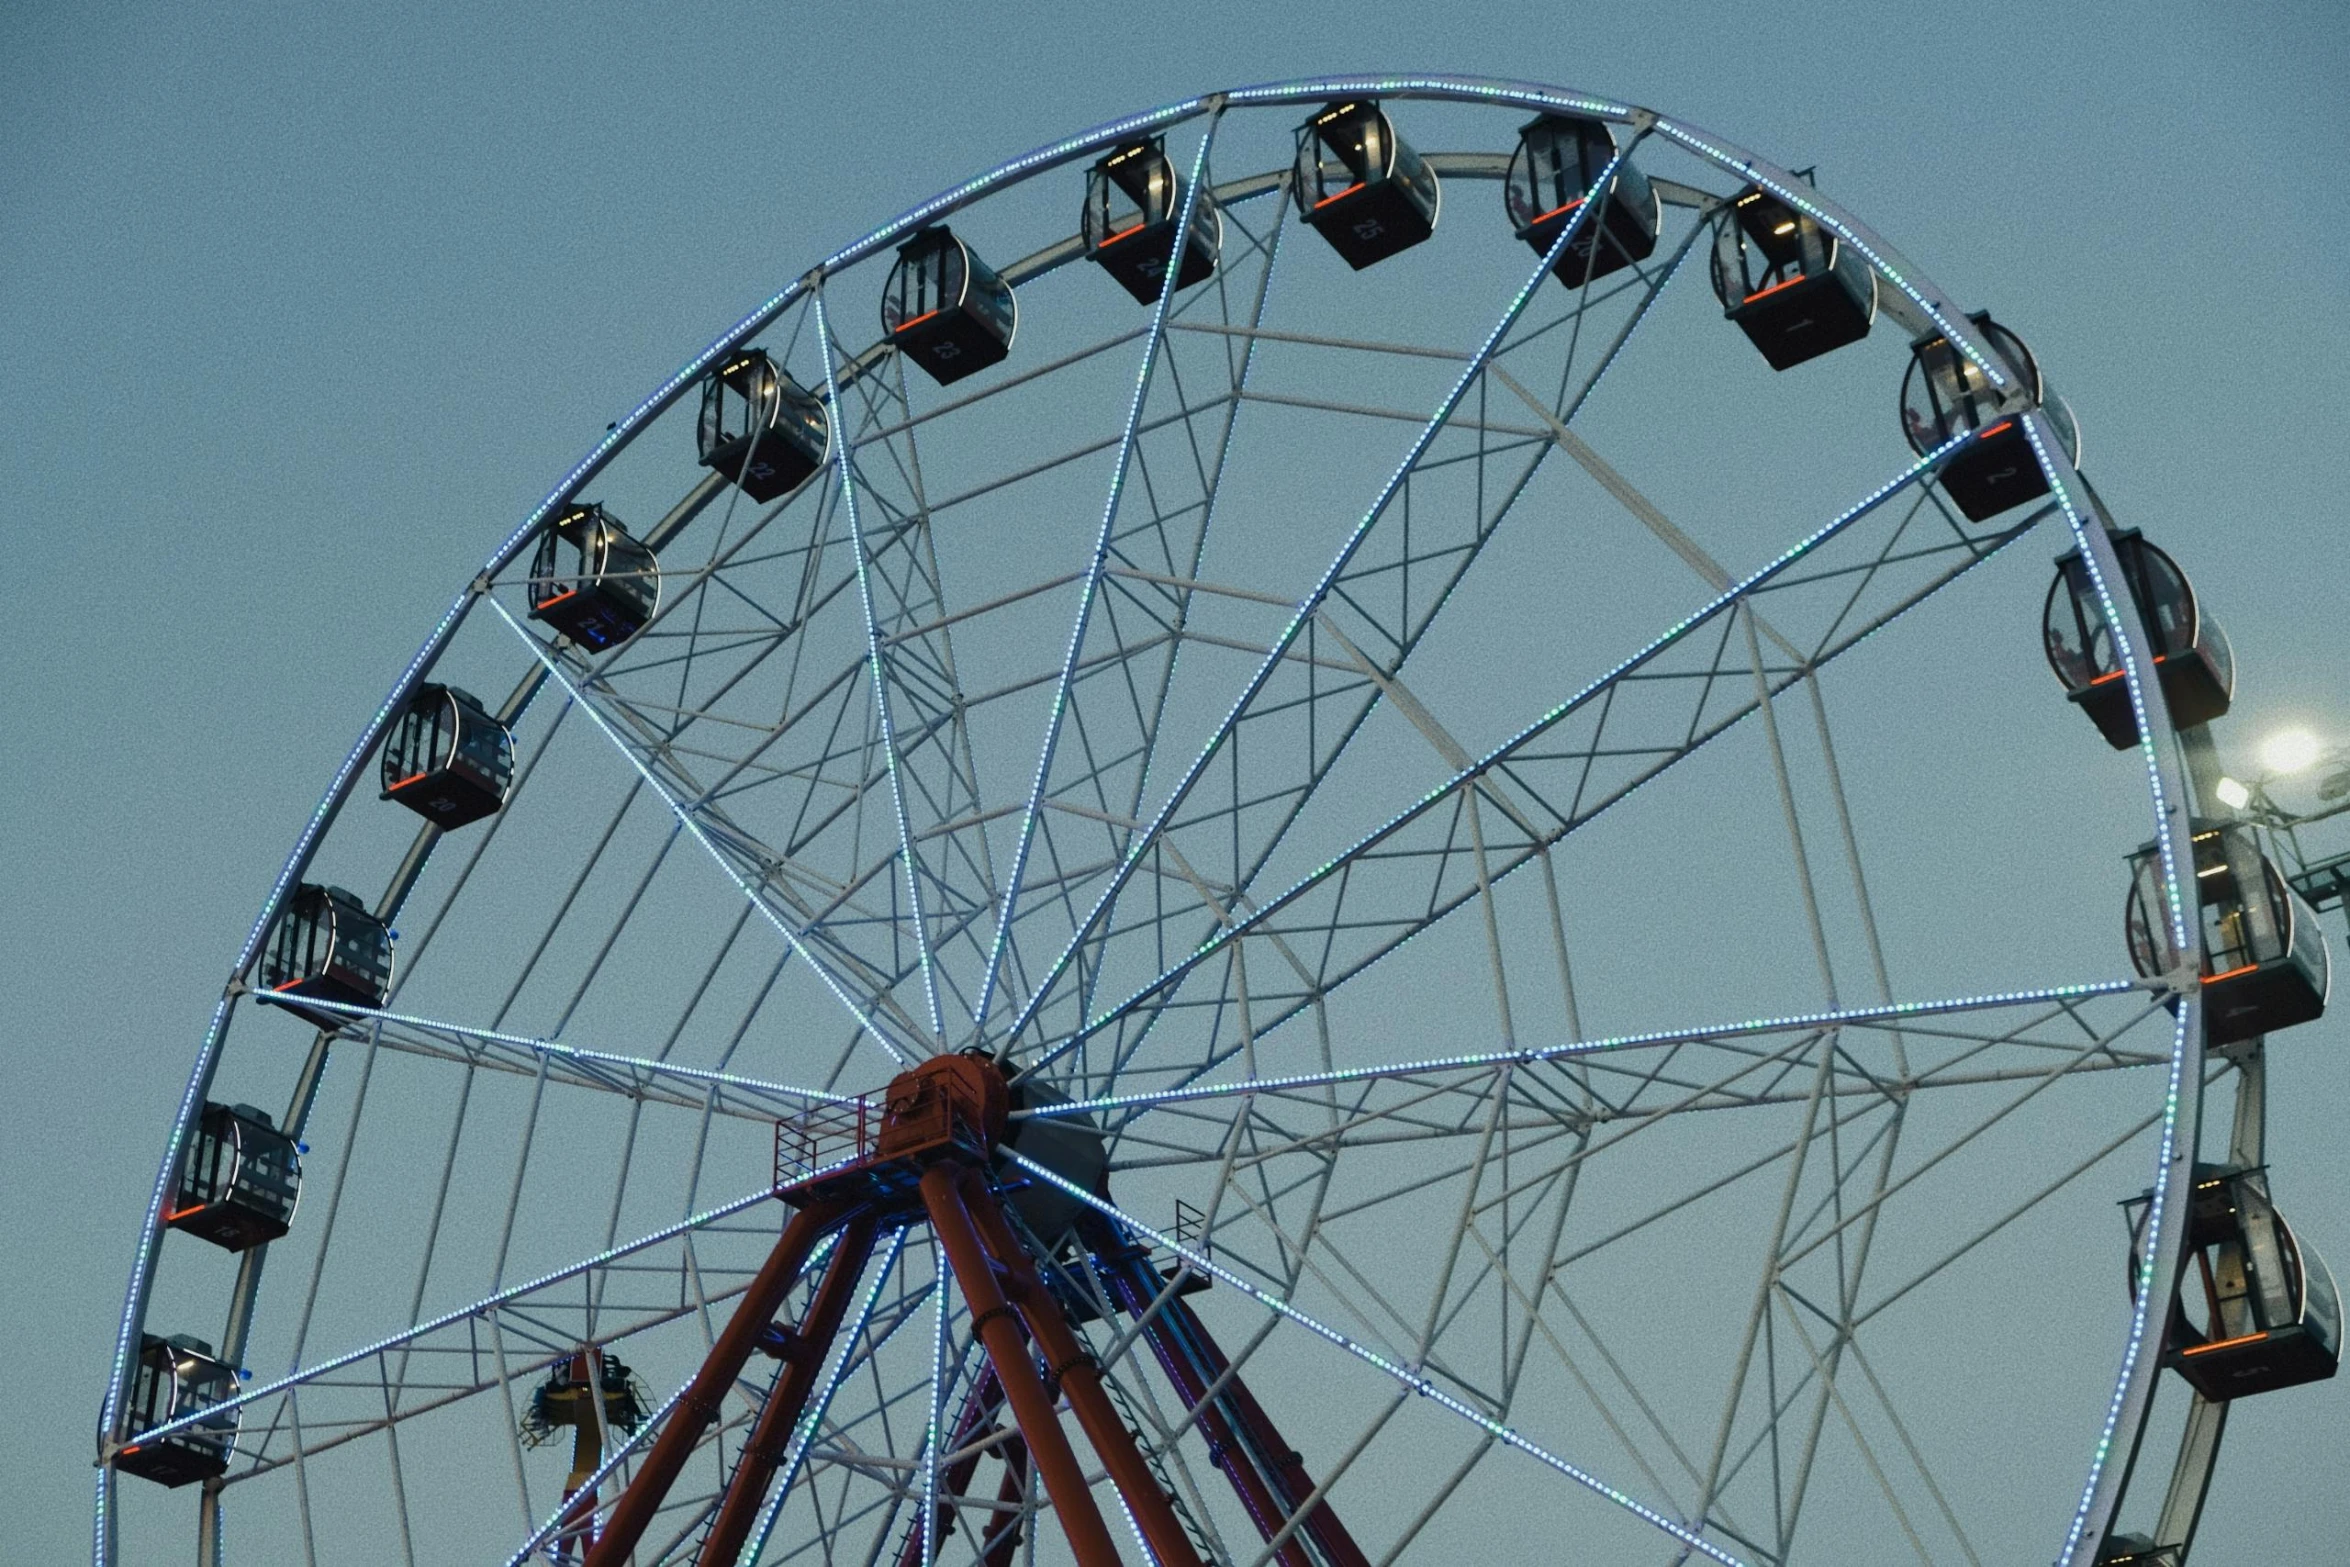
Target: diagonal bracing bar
(1267,1474)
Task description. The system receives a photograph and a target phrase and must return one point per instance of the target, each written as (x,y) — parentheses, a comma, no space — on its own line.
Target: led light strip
(1493,1058)
(879,677)
(2172,1161)
(548,1047)
(1304,612)
(1151,346)
(686,820)
(451,1318)
(1419,1384)
(813,1418)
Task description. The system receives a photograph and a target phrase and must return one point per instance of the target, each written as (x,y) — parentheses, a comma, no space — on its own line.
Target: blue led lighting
(548,1047)
(1494,1058)
(685,818)
(1411,1379)
(880,676)
(2133,1384)
(486,1304)
(1151,346)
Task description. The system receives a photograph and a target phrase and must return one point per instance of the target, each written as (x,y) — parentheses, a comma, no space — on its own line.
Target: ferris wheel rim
(2164,770)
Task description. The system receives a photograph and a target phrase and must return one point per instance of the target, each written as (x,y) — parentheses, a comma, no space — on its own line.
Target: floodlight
(2289,750)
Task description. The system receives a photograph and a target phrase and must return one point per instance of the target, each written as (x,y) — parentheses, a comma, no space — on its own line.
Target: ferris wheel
(1220,919)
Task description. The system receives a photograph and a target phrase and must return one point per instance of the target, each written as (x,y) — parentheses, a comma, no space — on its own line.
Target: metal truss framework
(1155,930)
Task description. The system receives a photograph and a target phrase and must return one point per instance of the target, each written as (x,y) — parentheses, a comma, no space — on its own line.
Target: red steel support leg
(700,1403)
(1073,1366)
(991,1317)
(803,1364)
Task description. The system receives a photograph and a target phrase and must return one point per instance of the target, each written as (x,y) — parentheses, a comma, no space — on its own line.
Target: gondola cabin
(177,1377)
(2264,962)
(1133,202)
(1946,394)
(591,581)
(2190,652)
(1560,161)
(759,428)
(239,1183)
(2255,1310)
(1360,186)
(945,309)
(325,946)
(2136,1550)
(447,759)
(1794,289)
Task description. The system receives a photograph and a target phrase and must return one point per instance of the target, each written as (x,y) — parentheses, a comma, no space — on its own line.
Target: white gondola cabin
(1946,395)
(759,428)
(1559,163)
(2264,961)
(325,946)
(1361,186)
(239,1182)
(1133,202)
(2256,1310)
(591,581)
(447,759)
(177,1377)
(1794,289)
(945,309)
(2190,652)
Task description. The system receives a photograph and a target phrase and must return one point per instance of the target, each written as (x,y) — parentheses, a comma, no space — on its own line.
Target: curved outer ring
(2158,745)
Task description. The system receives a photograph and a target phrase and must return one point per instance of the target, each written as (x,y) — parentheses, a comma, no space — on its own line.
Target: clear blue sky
(302,308)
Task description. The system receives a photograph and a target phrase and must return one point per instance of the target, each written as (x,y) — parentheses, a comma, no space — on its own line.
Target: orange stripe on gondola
(1555,211)
(1999,428)
(2117,674)
(2225,1343)
(1326,200)
(927,314)
(178,1214)
(557,599)
(1774,288)
(405,782)
(1121,234)
(2213,979)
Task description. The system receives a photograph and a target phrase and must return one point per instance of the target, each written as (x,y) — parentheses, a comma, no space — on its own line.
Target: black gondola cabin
(2190,652)
(2255,1309)
(2264,961)
(177,1377)
(239,1183)
(759,428)
(1946,394)
(447,759)
(591,581)
(1133,202)
(1794,289)
(1558,162)
(945,309)
(1361,186)
(326,946)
